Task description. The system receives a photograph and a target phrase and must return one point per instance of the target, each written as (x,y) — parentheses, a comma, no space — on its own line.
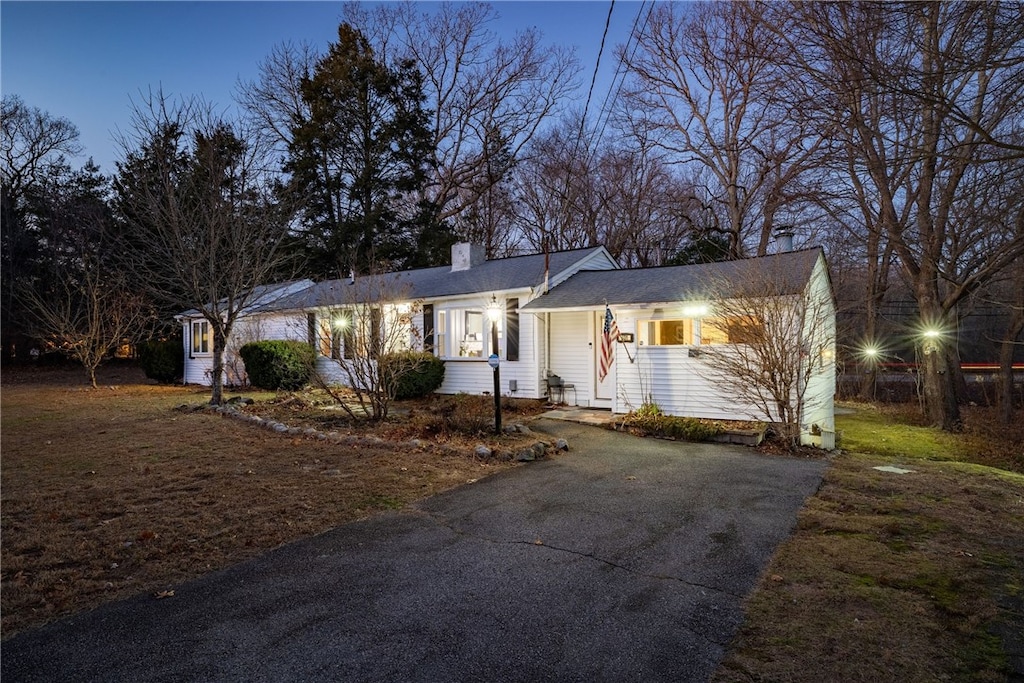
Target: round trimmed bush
(163,361)
(414,373)
(278,364)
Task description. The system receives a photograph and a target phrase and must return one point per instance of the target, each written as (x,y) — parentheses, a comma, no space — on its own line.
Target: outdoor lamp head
(492,309)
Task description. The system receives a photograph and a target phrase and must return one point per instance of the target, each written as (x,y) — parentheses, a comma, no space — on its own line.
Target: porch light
(932,333)
(695,311)
(340,322)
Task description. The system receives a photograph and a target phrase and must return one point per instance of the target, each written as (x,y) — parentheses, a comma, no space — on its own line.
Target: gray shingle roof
(789,273)
(517,272)
(261,298)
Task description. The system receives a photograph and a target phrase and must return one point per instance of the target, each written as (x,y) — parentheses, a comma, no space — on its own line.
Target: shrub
(278,364)
(163,361)
(656,423)
(415,373)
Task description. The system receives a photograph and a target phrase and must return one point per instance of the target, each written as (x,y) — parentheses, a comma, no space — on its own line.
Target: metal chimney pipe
(784,239)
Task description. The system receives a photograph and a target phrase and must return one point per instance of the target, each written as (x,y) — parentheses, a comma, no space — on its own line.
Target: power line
(597,64)
(620,70)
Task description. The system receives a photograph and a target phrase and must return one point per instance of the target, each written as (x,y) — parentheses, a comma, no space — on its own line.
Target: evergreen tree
(359,159)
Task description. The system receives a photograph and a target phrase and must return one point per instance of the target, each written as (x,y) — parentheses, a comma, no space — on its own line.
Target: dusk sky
(85,61)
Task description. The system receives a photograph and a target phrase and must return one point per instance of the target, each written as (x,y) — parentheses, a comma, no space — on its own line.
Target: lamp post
(493,312)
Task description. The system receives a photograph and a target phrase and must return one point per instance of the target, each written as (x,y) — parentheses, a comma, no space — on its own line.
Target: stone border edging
(536,451)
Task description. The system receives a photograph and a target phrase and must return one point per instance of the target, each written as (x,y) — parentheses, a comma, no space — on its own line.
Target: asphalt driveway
(624,560)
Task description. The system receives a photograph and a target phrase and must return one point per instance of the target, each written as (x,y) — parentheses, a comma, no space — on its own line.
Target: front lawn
(897,577)
(112,492)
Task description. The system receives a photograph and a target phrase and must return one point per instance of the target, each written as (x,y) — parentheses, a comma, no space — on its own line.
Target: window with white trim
(465,333)
(200,337)
(675,332)
(703,331)
(731,330)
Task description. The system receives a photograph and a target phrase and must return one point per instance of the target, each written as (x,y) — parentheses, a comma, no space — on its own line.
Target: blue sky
(86,60)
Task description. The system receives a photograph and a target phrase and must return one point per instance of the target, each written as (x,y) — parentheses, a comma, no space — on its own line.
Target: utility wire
(586,106)
(620,71)
(597,65)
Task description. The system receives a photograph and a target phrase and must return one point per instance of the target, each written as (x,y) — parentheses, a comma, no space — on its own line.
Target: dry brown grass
(893,577)
(111,492)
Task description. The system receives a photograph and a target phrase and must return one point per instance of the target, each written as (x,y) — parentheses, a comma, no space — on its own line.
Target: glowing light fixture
(695,311)
(493,310)
(932,333)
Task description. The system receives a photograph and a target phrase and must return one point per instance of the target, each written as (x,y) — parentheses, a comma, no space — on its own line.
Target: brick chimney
(466,255)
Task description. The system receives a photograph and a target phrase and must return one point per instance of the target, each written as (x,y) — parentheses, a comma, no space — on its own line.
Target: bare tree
(363,337)
(771,346)
(86,314)
(707,86)
(201,229)
(34,147)
(923,93)
(624,196)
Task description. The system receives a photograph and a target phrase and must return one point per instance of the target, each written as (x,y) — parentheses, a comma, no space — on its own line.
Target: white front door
(604,390)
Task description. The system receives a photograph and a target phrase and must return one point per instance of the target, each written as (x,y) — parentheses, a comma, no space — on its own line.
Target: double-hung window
(465,333)
(200,337)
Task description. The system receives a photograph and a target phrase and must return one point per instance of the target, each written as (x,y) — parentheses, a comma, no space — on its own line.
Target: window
(440,336)
(200,337)
(329,337)
(464,333)
(666,332)
(690,331)
(731,330)
(471,333)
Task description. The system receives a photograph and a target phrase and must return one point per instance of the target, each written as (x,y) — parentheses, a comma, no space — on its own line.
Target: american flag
(608,338)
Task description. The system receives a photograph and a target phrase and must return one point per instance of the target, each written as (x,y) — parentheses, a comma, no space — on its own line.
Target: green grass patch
(383,502)
(872,431)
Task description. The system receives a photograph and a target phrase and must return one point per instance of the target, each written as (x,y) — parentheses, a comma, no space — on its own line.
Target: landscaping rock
(240,401)
(482,451)
(561,445)
(539,449)
(526,455)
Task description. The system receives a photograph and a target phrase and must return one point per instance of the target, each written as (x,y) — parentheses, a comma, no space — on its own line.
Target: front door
(604,390)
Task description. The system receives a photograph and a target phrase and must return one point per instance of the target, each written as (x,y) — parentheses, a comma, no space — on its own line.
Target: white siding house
(552,314)
(666,319)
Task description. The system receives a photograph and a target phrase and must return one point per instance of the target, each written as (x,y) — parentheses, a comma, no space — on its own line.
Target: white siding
(600,260)
(198,368)
(667,376)
(819,397)
(476,377)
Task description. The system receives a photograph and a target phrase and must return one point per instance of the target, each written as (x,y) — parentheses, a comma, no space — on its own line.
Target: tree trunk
(1007,347)
(940,404)
(217,378)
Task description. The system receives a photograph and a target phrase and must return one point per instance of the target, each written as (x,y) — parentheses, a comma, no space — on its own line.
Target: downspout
(547,345)
(188,345)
